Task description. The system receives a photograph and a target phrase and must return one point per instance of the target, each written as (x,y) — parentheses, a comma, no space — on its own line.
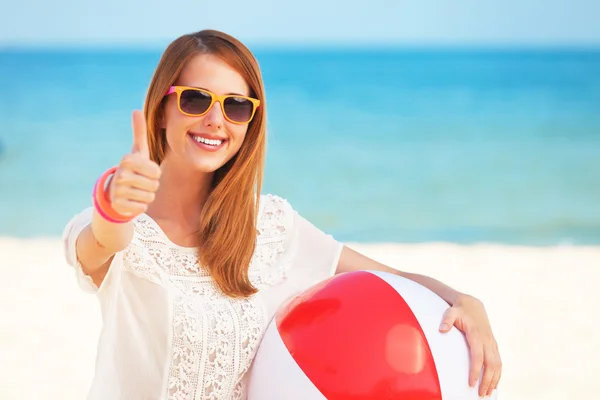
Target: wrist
(109,236)
(102,202)
(463,298)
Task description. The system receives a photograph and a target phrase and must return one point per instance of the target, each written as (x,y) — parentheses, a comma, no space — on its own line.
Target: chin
(206,168)
(208,164)
(205,162)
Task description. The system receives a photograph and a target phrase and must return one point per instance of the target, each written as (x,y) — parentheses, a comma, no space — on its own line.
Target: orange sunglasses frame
(213,99)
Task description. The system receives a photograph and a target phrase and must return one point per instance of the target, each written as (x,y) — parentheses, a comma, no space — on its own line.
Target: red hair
(227,229)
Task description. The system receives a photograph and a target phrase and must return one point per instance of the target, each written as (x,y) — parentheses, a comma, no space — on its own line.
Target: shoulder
(289,247)
(274,244)
(275,213)
(270,201)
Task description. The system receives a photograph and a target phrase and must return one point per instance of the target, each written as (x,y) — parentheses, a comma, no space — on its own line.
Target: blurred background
(406,121)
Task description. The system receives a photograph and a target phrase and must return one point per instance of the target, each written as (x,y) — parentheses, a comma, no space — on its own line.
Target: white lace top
(168,333)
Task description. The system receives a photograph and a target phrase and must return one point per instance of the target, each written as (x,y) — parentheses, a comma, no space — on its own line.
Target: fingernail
(444,326)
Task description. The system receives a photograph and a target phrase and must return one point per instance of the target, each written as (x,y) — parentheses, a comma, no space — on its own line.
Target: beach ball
(361,335)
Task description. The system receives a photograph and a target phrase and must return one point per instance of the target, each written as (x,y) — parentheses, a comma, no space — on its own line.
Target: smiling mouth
(207,142)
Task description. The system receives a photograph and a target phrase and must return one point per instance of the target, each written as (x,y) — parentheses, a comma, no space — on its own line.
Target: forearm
(113,237)
(351,260)
(447,293)
(100,240)
(105,238)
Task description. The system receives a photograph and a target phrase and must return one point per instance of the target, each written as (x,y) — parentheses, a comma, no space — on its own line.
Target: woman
(189,261)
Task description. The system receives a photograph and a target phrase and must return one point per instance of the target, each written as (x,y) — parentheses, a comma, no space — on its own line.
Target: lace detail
(269,264)
(214,337)
(152,255)
(214,341)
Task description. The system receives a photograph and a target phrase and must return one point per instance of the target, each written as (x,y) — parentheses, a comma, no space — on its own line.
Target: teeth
(211,142)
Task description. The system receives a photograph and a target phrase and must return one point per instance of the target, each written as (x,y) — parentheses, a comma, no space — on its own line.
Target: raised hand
(136,179)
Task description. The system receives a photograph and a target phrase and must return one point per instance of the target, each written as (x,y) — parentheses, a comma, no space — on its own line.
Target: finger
(448,319)
(128,207)
(128,178)
(476,361)
(497,377)
(133,194)
(498,367)
(139,165)
(488,372)
(495,380)
(140,134)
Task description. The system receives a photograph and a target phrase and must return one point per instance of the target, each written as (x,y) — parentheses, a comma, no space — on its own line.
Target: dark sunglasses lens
(238,109)
(194,101)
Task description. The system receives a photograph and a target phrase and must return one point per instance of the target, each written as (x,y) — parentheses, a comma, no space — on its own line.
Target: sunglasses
(196,102)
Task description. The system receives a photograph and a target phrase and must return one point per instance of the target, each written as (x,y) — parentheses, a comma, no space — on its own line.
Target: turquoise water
(386,145)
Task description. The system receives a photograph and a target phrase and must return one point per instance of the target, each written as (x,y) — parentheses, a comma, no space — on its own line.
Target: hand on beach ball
(362,335)
(470,317)
(136,180)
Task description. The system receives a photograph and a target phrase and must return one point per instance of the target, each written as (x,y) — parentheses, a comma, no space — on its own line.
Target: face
(205,143)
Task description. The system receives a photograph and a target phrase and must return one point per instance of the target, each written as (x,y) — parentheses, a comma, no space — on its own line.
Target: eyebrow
(226,94)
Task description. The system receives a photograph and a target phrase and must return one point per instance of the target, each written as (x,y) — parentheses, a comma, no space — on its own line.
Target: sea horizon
(413,144)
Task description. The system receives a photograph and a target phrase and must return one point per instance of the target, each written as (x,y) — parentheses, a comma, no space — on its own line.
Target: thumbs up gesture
(136,179)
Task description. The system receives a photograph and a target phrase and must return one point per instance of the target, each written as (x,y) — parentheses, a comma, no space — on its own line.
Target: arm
(130,190)
(351,260)
(466,313)
(97,244)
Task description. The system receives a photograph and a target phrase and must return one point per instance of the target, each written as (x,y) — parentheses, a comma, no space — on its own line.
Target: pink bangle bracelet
(102,203)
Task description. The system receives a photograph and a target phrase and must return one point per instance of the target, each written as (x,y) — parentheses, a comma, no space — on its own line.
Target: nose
(214,117)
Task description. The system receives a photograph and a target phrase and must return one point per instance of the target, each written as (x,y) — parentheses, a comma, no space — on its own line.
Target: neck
(181,195)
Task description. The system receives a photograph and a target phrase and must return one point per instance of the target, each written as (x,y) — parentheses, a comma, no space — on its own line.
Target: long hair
(227,230)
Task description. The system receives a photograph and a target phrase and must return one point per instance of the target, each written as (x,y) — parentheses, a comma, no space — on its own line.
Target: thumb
(140,134)
(448,319)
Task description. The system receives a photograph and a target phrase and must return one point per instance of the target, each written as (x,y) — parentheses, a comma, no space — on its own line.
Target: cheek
(170,109)
(238,134)
(175,122)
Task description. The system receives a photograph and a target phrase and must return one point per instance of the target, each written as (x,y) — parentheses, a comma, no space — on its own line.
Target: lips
(207,142)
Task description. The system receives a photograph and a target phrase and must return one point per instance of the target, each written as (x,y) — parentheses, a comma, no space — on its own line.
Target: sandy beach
(543,303)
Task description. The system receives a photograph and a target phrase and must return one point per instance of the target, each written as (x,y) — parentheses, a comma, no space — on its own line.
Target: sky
(275,22)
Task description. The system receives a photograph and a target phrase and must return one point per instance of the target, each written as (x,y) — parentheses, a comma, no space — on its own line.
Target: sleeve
(315,253)
(69,238)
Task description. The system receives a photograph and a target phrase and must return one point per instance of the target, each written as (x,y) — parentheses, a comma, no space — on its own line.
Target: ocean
(379,145)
